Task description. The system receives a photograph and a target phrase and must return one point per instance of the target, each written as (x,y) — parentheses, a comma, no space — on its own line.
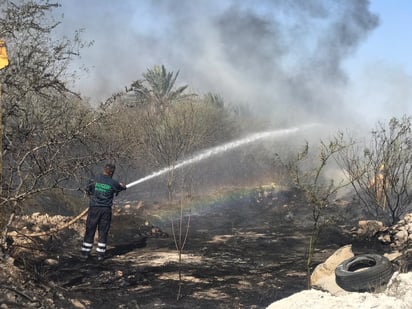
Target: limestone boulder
(323,276)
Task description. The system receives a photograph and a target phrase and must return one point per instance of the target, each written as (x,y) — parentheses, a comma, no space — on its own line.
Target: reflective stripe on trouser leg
(87,247)
(101,248)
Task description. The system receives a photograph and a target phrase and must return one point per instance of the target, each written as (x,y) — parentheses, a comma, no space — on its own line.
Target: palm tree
(158,88)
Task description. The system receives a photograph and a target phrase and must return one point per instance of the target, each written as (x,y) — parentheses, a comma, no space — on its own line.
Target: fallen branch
(88,287)
(16,291)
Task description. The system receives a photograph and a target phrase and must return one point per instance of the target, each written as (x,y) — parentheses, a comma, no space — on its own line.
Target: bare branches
(381,170)
(309,170)
(50,136)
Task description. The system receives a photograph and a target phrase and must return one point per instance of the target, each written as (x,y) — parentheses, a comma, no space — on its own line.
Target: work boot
(84,255)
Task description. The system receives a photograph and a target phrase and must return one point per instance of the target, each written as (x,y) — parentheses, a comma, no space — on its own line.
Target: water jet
(219,149)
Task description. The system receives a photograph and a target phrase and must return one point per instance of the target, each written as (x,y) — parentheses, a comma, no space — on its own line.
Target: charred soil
(244,252)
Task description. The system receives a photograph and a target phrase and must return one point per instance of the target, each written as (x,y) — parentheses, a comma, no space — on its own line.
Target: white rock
(323,276)
(385,238)
(401,235)
(51,261)
(77,304)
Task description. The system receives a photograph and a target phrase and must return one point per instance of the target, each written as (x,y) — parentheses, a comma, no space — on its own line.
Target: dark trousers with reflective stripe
(98,218)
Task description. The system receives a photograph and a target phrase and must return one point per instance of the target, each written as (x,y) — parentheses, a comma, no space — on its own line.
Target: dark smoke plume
(282,58)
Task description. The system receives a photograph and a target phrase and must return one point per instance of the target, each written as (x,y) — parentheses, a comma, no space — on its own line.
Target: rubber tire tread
(366,279)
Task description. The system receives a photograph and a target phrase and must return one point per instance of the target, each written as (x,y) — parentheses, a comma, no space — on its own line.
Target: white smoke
(285,59)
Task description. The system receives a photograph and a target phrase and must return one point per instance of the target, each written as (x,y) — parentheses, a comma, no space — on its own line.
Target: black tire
(363,273)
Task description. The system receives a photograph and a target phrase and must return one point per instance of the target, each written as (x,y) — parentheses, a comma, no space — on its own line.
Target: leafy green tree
(158,88)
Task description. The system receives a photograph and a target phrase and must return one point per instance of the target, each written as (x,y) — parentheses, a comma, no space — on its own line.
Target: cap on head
(109,169)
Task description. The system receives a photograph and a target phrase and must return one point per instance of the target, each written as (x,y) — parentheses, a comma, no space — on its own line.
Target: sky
(381,69)
(336,61)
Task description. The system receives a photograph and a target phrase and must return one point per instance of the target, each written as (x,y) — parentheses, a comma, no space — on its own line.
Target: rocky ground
(397,295)
(245,251)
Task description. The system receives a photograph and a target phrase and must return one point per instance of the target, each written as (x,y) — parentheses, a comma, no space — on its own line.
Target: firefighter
(101,191)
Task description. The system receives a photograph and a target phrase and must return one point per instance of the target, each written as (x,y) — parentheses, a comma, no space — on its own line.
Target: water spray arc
(217,150)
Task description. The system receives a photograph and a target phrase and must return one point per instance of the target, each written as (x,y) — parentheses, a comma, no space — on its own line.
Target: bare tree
(381,171)
(180,236)
(309,172)
(50,135)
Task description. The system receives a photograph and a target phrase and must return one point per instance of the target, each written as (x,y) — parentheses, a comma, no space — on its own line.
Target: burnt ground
(244,252)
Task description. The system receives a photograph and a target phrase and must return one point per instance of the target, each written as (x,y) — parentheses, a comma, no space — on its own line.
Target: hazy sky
(325,60)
